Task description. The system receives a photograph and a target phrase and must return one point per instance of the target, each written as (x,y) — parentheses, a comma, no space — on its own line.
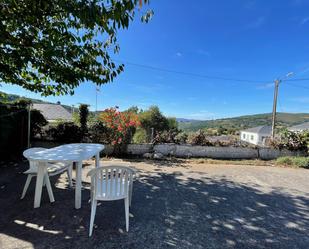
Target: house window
(244,136)
(252,137)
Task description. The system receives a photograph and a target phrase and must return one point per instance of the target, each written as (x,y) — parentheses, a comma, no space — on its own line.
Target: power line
(298,79)
(296,85)
(280,105)
(191,74)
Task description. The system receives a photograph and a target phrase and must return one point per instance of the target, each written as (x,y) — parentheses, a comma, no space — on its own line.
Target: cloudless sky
(254,40)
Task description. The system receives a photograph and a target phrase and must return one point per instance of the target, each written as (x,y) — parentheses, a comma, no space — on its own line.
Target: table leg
(49,188)
(78,186)
(39,184)
(97,160)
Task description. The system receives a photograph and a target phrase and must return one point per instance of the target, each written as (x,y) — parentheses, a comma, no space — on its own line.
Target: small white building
(256,135)
(300,127)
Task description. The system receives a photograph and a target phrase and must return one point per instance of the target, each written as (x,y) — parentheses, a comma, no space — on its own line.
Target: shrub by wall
(299,162)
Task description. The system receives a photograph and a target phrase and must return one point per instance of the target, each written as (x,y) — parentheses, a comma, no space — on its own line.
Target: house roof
(264,129)
(300,127)
(53,111)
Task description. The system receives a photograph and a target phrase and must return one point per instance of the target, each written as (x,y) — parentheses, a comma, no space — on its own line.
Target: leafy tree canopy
(172,123)
(37,122)
(51,47)
(153,118)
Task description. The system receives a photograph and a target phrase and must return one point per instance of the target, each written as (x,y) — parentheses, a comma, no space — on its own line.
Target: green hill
(248,121)
(235,123)
(7,97)
(13,97)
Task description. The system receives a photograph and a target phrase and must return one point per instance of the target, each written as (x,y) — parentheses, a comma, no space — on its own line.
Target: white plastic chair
(111,183)
(52,169)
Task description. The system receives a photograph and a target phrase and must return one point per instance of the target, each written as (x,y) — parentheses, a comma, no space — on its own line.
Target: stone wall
(187,151)
(269,154)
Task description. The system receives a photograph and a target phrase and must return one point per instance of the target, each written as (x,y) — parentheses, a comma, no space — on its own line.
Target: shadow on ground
(169,210)
(169,162)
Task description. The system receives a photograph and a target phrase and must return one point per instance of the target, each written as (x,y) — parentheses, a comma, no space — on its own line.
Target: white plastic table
(72,153)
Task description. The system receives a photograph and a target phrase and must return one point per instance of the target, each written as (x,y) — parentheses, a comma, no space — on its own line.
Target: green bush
(100,133)
(37,121)
(83,117)
(182,138)
(199,138)
(140,136)
(299,162)
(284,160)
(166,137)
(65,132)
(291,141)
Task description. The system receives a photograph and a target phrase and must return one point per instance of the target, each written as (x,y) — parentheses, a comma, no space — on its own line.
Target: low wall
(216,152)
(269,154)
(187,151)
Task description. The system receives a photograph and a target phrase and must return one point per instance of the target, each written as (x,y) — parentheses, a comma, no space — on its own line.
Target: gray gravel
(175,205)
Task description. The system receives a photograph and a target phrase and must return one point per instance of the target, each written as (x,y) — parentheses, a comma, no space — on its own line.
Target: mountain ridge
(235,123)
(247,121)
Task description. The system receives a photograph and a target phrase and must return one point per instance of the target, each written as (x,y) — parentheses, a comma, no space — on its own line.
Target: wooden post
(29,123)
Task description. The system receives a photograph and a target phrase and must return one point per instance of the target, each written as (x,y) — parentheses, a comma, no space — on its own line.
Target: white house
(256,135)
(300,127)
(53,112)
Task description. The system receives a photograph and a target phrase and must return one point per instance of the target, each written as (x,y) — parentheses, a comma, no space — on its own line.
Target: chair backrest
(28,152)
(111,182)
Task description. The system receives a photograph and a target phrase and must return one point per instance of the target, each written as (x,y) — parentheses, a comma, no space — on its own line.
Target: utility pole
(277,82)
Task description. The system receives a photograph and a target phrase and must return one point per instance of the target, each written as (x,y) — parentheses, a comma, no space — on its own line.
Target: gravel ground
(176,204)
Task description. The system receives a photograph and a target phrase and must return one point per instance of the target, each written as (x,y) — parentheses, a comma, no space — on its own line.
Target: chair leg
(126,207)
(29,177)
(91,192)
(93,210)
(69,172)
(130,193)
(49,188)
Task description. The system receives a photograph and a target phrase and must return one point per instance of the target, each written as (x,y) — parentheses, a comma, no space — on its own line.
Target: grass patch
(297,162)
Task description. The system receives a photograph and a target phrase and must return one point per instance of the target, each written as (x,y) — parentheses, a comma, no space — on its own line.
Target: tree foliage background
(152,118)
(51,47)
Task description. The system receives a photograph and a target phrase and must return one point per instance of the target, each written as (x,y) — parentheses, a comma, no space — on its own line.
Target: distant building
(54,112)
(256,135)
(300,127)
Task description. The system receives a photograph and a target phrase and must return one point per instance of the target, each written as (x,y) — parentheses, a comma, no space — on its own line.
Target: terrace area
(176,204)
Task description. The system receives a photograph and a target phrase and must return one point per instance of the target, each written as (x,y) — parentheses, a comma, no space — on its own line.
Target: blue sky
(242,39)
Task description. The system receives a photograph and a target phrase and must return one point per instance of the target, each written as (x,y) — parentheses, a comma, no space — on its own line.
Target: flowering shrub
(291,140)
(121,124)
(199,138)
(182,137)
(166,137)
